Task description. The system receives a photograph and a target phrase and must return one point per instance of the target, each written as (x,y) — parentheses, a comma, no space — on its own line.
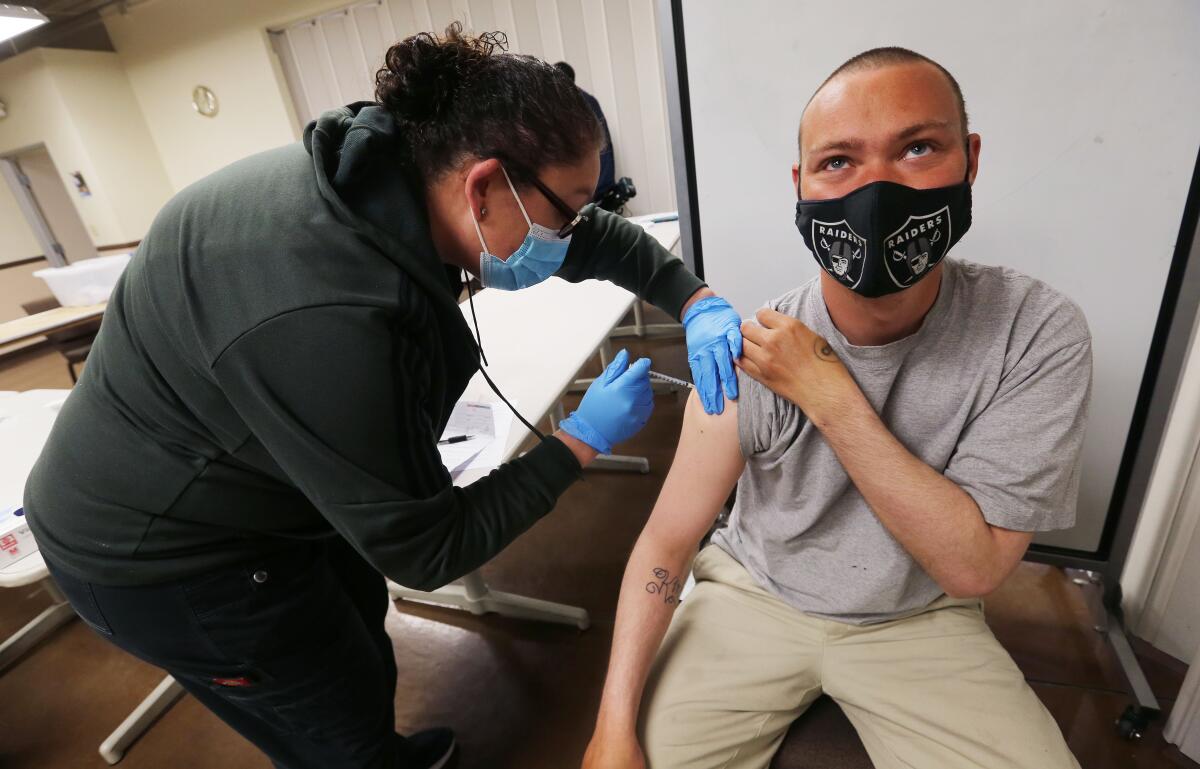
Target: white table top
(536,340)
(25,422)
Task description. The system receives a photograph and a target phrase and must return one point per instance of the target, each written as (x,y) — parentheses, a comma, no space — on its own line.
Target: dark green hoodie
(277,363)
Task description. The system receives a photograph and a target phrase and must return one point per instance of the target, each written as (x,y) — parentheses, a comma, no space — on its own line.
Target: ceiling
(73,24)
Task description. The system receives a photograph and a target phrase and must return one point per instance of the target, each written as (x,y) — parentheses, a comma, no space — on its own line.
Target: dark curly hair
(460,96)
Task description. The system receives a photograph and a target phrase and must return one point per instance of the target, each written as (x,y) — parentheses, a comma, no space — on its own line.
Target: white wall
(170,46)
(79,106)
(37,114)
(112,128)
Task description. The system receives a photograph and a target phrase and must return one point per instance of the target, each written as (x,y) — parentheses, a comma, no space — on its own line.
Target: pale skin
(707,464)
(478,185)
(897,123)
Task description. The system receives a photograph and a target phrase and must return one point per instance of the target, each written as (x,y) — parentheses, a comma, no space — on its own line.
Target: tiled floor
(523,694)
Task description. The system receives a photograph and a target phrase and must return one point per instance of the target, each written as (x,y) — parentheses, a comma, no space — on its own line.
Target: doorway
(46,204)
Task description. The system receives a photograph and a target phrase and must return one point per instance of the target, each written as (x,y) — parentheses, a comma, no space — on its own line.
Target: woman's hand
(613,752)
(793,361)
(714,342)
(616,405)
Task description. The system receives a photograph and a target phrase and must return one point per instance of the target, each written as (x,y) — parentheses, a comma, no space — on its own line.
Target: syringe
(671,380)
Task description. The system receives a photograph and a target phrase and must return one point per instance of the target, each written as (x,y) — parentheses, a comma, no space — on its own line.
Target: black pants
(289,650)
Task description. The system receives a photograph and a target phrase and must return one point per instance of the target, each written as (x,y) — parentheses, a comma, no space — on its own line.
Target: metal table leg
(1133,721)
(144,715)
(37,628)
(473,594)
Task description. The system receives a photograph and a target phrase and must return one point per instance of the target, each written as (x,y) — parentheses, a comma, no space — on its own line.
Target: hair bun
(423,73)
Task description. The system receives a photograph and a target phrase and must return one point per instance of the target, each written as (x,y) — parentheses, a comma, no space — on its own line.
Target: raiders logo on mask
(918,245)
(840,250)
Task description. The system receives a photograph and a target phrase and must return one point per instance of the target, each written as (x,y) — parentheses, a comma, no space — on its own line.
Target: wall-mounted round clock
(204,101)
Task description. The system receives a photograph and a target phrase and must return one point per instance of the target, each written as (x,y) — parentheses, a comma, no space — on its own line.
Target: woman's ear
(479,181)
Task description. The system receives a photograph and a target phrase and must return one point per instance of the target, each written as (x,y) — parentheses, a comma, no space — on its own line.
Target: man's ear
(796,178)
(973,144)
(478,182)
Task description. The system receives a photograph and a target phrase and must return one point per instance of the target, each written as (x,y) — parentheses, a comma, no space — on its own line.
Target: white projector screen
(1090,126)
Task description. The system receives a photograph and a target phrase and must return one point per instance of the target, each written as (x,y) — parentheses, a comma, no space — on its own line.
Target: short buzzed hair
(888,55)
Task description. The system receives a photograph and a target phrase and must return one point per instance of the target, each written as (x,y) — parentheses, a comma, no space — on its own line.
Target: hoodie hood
(360,161)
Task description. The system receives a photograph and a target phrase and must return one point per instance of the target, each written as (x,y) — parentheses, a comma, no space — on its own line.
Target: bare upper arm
(708,462)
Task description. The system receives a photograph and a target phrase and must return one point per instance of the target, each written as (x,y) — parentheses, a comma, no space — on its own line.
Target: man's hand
(790,359)
(607,751)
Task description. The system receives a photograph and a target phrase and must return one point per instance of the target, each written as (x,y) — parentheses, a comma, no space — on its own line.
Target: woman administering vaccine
(254,443)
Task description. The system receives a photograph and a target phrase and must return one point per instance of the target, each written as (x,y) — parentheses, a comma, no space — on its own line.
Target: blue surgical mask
(538,257)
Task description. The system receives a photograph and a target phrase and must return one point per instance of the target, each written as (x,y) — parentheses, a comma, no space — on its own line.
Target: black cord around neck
(483,368)
(474,320)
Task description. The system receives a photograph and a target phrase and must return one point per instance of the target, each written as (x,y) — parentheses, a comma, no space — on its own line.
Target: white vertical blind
(331,60)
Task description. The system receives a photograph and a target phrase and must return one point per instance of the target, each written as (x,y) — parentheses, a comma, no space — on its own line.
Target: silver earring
(482,212)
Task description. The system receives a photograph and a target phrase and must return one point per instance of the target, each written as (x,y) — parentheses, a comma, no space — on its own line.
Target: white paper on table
(470,418)
(487,425)
(493,454)
(457,456)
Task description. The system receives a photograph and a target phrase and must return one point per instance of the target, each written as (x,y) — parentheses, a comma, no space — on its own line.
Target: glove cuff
(575,427)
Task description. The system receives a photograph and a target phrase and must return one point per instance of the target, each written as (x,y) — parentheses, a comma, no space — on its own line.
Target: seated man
(907,424)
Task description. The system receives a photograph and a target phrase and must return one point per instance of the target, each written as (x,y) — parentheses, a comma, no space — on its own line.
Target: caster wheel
(1132,723)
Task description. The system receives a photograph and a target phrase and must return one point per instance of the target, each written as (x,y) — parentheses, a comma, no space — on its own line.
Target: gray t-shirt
(992,391)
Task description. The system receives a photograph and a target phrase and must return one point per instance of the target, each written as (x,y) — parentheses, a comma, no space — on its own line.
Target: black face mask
(884,237)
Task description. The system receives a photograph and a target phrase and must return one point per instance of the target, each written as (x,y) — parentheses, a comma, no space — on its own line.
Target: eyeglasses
(574,218)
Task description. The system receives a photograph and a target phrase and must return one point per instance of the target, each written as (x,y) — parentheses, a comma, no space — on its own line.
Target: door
(47,206)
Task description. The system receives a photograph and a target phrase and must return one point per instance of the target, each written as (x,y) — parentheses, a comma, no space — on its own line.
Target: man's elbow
(986,571)
(668,539)
(971,584)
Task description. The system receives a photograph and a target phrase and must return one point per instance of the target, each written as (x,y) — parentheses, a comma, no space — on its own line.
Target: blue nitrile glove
(615,407)
(714,339)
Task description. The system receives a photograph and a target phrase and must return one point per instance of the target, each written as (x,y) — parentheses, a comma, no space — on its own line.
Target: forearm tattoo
(666,586)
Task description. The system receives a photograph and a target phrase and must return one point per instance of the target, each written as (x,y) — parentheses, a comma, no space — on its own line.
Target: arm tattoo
(665,585)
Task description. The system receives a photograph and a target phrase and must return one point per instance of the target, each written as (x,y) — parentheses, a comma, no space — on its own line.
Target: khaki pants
(934,690)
